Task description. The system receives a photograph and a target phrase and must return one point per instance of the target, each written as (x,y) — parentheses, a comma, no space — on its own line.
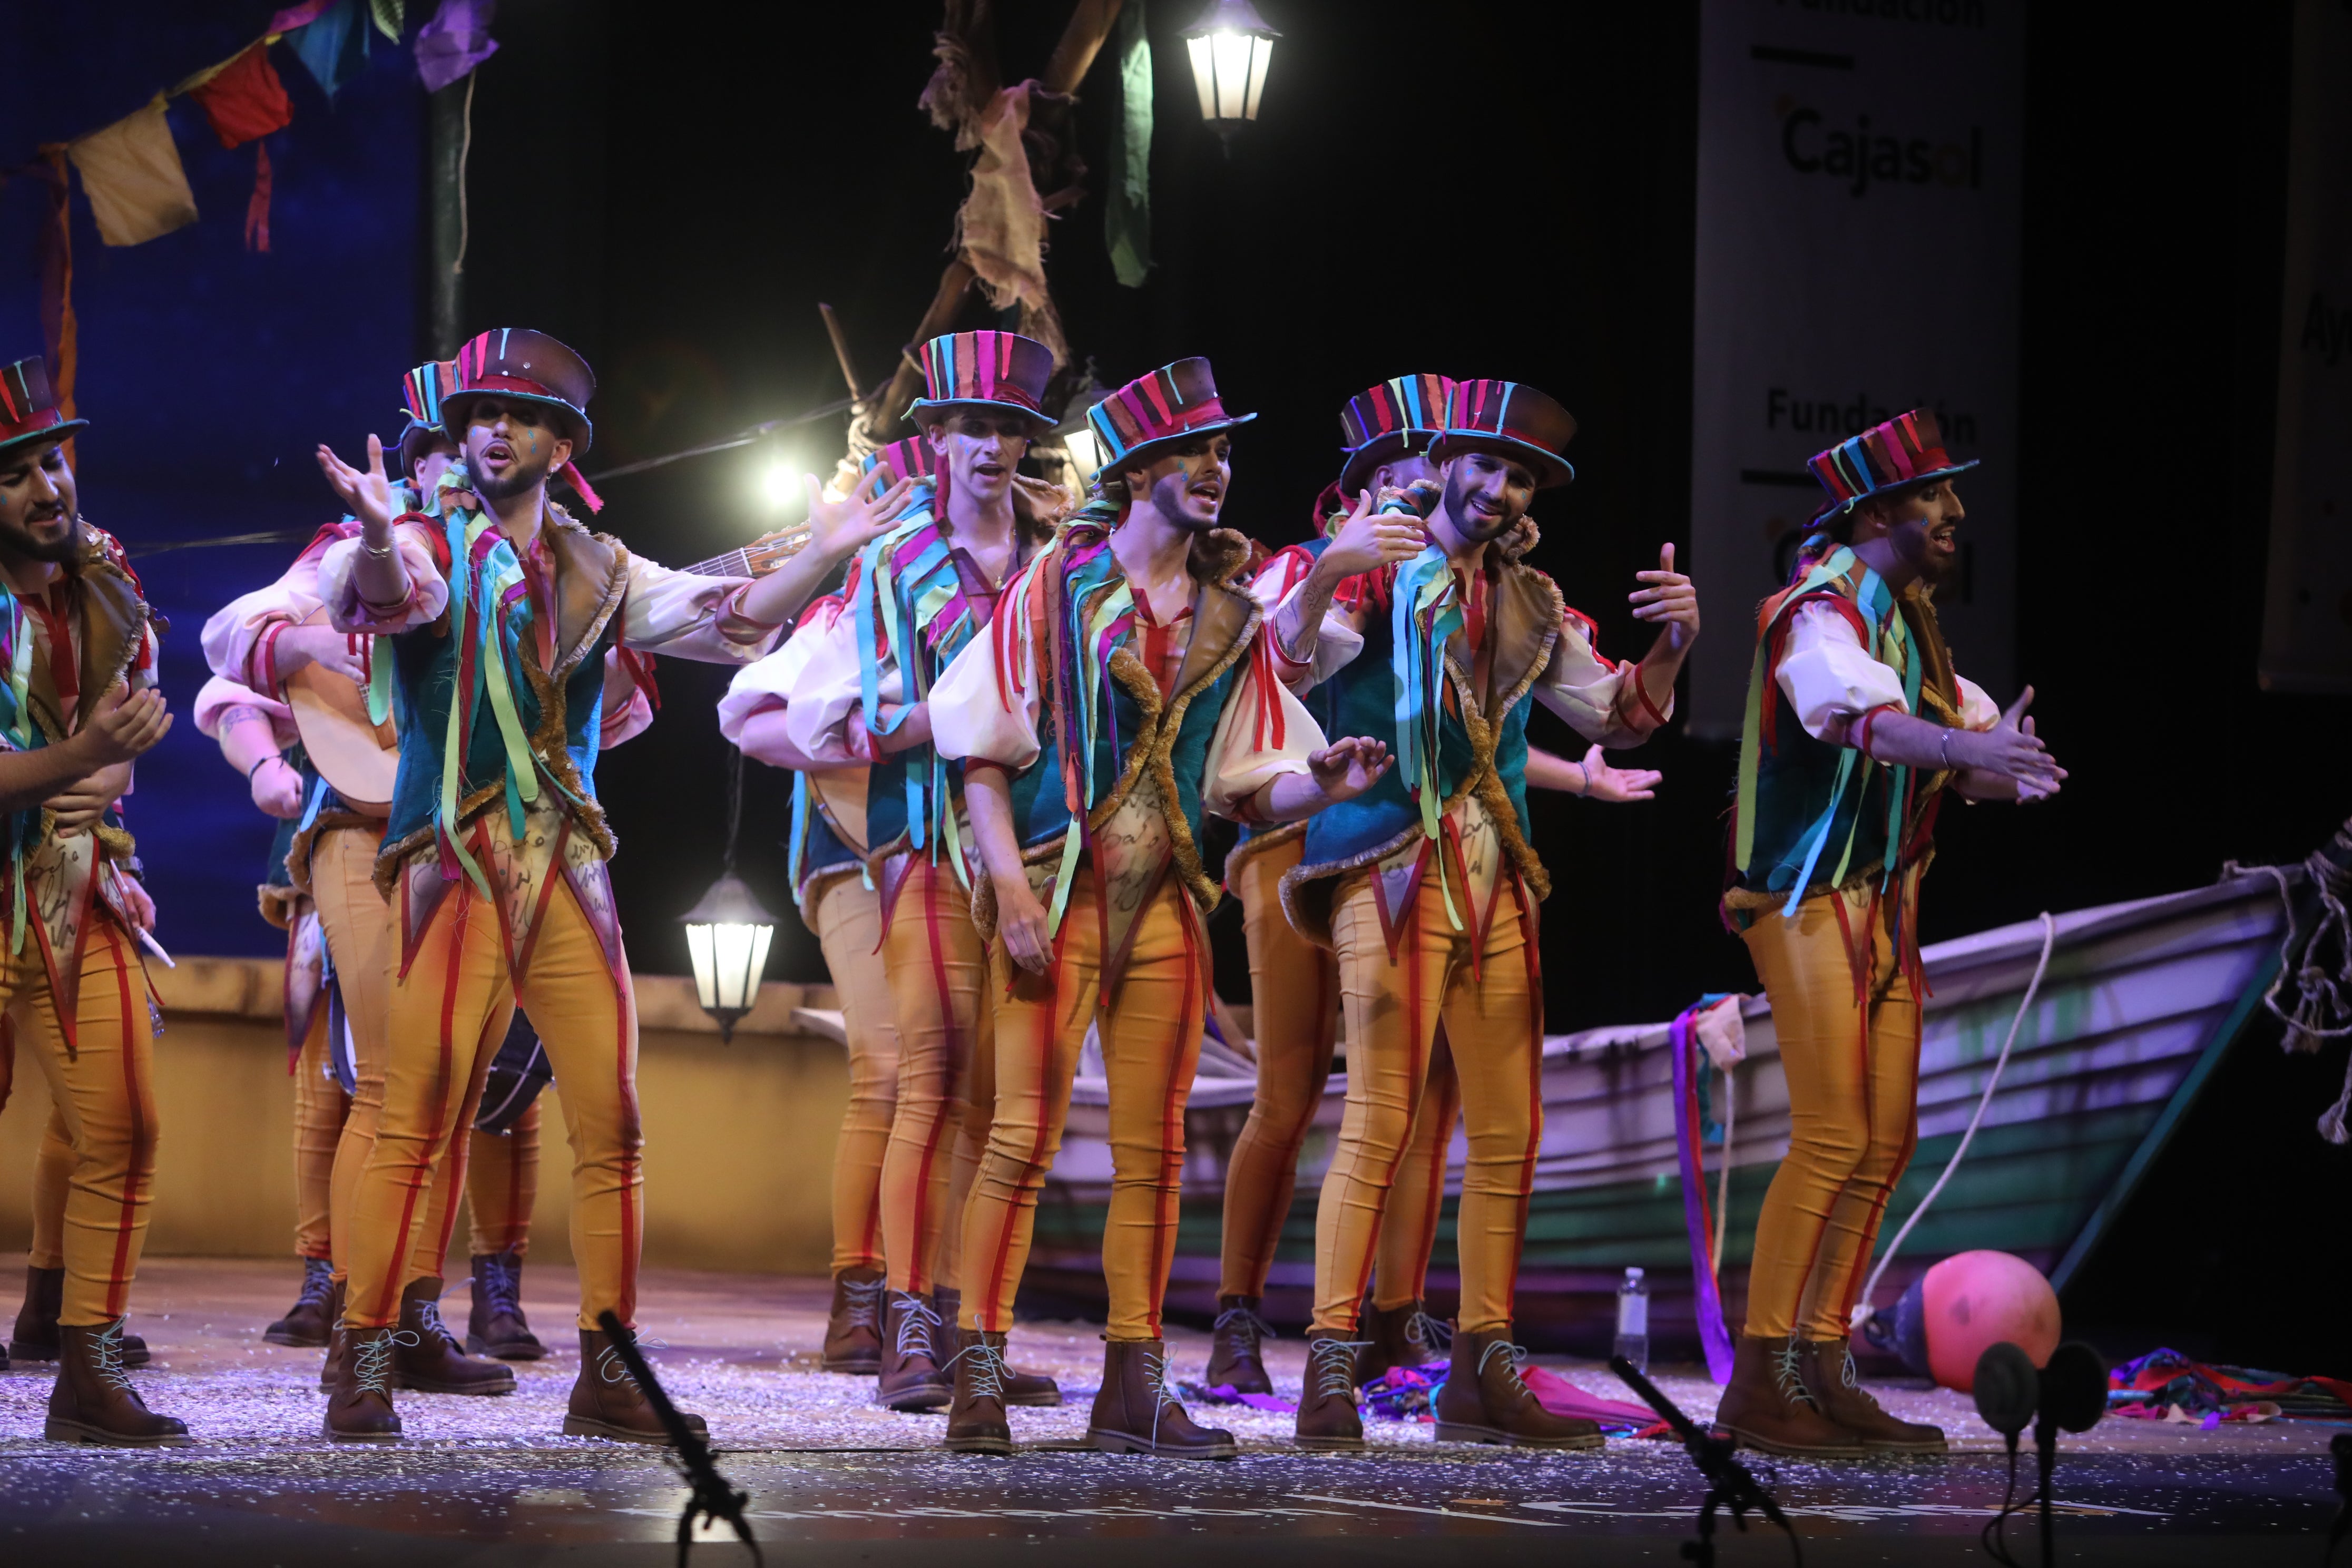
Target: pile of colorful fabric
(1409,1394)
(2165,1386)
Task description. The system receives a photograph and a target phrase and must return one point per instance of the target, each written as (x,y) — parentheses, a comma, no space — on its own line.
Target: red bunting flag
(246,102)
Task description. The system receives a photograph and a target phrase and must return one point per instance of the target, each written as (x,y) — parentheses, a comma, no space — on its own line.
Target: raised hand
(367,494)
(1347,768)
(327,649)
(1603,782)
(839,529)
(122,726)
(1021,919)
(1669,599)
(1370,540)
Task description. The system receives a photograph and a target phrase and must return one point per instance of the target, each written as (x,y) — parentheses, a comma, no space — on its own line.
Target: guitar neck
(734,564)
(756,558)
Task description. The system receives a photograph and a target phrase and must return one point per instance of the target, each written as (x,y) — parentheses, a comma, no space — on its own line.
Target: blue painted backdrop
(209,373)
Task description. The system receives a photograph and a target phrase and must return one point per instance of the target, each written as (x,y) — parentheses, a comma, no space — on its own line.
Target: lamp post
(1231,47)
(728,930)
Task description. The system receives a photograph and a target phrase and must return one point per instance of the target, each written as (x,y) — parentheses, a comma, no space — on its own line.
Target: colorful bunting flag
(131,173)
(390,16)
(246,102)
(456,41)
(334,45)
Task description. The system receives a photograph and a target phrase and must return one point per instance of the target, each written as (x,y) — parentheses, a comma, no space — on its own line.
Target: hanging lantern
(728,932)
(1232,47)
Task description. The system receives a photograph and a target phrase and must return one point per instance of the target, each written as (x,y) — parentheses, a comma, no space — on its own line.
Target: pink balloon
(1974,1299)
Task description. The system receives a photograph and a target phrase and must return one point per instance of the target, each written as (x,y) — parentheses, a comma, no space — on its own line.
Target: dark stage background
(1476,188)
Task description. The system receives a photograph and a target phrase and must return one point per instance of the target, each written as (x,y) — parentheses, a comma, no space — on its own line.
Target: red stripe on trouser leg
(1409,1223)
(53,1172)
(974,1116)
(1151,1040)
(849,929)
(589,1026)
(453,1161)
(1392,1010)
(1026,1131)
(1296,1025)
(935,955)
(140,1167)
(1494,1027)
(319,1108)
(1816,1219)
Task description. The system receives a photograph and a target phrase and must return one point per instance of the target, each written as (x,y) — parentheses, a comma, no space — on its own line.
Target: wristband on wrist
(272,757)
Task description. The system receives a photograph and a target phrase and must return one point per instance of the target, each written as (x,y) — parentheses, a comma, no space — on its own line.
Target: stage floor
(834,1479)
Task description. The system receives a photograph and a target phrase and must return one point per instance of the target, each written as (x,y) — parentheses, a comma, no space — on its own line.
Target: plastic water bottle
(1633,1320)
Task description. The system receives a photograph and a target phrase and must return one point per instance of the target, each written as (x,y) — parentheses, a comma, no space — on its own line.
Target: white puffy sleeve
(1593,694)
(780,677)
(1262,734)
(428,591)
(1828,679)
(985,706)
(690,616)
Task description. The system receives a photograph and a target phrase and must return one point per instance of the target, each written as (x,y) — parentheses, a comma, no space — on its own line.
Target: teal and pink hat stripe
(984,369)
(1908,449)
(29,409)
(1173,403)
(1512,417)
(1380,424)
(910,459)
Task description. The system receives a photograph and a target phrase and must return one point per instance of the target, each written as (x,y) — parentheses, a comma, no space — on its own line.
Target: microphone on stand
(2069,1393)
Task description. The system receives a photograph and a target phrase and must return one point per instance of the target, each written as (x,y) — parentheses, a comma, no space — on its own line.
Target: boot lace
(1331,1367)
(987,1369)
(613,1369)
(318,1283)
(108,1346)
(372,1361)
(863,1299)
(1513,1357)
(1788,1373)
(915,1321)
(1432,1334)
(1155,1376)
(1849,1378)
(1246,1327)
(429,1324)
(502,1285)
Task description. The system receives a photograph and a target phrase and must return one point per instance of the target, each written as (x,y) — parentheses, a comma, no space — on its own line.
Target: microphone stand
(1728,1483)
(711,1499)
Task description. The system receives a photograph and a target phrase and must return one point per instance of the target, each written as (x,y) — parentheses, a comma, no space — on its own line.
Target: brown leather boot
(1032,1389)
(35,1337)
(976,1423)
(1765,1405)
(311,1318)
(1826,1367)
(1234,1358)
(853,1329)
(910,1381)
(1328,1417)
(428,1359)
(1135,1413)
(1483,1400)
(94,1402)
(496,1327)
(1405,1336)
(606,1400)
(359,1385)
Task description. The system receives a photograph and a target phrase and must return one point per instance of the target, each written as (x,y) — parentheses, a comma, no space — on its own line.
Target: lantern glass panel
(1234,51)
(729,960)
(1261,60)
(1204,76)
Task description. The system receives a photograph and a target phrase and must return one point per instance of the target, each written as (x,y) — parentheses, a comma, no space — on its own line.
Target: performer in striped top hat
(1121,690)
(1386,431)
(1425,887)
(918,595)
(1856,726)
(80,703)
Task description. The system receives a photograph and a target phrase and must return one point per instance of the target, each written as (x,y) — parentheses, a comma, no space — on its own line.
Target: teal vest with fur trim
(561,713)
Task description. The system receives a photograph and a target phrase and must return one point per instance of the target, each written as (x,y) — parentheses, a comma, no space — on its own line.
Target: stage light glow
(1232,49)
(780,485)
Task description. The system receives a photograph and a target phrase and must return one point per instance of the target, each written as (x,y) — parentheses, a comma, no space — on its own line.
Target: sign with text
(2307,609)
(1859,169)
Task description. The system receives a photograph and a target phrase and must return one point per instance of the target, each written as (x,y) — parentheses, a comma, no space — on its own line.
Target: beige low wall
(739,1138)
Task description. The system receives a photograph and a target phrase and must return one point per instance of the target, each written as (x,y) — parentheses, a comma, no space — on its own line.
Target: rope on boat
(1863,1310)
(2322,1003)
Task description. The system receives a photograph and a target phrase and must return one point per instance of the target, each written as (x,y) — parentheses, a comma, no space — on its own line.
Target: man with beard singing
(1122,689)
(1425,887)
(1856,725)
(496,616)
(78,707)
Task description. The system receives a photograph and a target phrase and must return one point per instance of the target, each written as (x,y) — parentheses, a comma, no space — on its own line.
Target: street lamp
(728,932)
(1231,47)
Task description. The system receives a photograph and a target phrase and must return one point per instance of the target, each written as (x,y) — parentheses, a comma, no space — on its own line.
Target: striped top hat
(1392,420)
(27,410)
(1511,417)
(530,367)
(421,390)
(984,370)
(1175,402)
(1908,449)
(908,459)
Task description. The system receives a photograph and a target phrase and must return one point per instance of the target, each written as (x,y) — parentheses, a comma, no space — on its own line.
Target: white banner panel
(2307,611)
(1859,168)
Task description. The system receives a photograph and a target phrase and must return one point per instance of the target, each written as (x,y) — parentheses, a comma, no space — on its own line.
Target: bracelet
(1585,773)
(1944,750)
(373,553)
(272,757)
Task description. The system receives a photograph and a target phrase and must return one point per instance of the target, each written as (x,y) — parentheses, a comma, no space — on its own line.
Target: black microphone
(2069,1394)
